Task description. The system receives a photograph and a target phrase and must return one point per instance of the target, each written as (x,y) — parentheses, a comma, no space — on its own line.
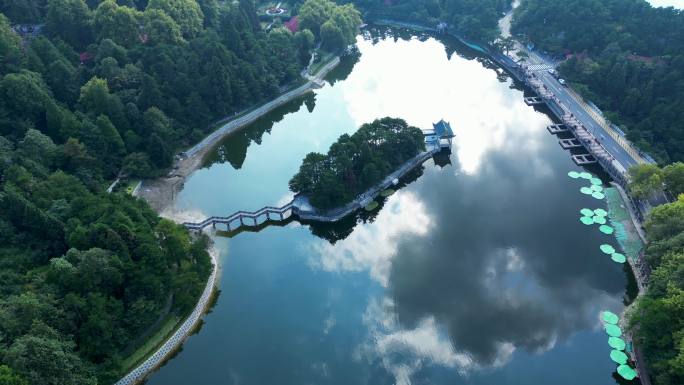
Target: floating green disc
(617,343)
(372,206)
(626,372)
(586,191)
(618,357)
(605,229)
(607,249)
(585,175)
(599,220)
(598,195)
(587,221)
(601,212)
(609,317)
(613,330)
(596,188)
(619,258)
(587,212)
(387,193)
(596,181)
(574,174)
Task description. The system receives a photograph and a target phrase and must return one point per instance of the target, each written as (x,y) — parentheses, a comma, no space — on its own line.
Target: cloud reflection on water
(481,117)
(476,267)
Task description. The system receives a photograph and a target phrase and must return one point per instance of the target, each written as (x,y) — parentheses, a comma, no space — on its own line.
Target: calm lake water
(475,272)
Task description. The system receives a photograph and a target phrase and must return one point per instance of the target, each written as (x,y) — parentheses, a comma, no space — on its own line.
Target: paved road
(618,147)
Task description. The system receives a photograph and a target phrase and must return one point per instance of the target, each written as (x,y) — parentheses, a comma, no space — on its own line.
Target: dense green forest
(648,179)
(626,56)
(149,77)
(90,90)
(357,162)
(336,26)
(659,317)
(476,19)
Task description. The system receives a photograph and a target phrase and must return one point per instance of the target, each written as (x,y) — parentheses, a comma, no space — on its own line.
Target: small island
(356,163)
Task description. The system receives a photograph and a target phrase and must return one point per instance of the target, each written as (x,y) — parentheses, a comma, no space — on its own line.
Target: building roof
(443,129)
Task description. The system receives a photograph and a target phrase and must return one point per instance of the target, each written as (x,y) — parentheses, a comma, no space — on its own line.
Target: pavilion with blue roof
(440,135)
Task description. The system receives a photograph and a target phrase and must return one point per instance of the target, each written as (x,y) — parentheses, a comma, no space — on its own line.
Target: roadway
(616,145)
(590,119)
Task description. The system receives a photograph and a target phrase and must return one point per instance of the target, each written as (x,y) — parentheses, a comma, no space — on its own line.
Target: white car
(561,81)
(552,71)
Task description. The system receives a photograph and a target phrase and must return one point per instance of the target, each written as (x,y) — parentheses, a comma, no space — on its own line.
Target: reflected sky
(251,170)
(480,265)
(667,3)
(475,273)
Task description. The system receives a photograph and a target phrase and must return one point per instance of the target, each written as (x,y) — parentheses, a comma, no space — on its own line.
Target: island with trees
(355,163)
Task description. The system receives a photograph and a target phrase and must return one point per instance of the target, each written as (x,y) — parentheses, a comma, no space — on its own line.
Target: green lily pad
(601,212)
(587,212)
(596,188)
(598,195)
(587,221)
(605,229)
(372,206)
(607,249)
(586,175)
(596,181)
(617,343)
(610,317)
(626,372)
(586,191)
(599,220)
(574,174)
(387,193)
(613,330)
(618,357)
(619,258)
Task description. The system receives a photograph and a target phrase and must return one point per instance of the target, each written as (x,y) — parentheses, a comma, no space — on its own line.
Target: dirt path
(160,193)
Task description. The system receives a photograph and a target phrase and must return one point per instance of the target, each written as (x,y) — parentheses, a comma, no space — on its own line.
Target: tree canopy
(660,314)
(110,88)
(476,19)
(335,25)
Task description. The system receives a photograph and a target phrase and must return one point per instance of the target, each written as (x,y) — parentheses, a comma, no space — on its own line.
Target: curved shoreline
(160,193)
(154,361)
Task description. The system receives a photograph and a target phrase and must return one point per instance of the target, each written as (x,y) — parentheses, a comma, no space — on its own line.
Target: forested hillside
(626,56)
(659,317)
(90,90)
(476,19)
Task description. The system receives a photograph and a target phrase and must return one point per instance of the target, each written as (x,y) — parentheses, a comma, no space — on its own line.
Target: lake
(477,271)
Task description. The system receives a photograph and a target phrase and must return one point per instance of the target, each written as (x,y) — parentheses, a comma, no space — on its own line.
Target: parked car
(561,81)
(553,72)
